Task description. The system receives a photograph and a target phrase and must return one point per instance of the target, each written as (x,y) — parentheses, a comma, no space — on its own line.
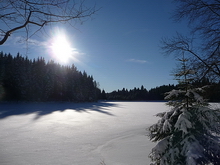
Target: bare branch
(179,44)
(203,17)
(17,14)
(8,33)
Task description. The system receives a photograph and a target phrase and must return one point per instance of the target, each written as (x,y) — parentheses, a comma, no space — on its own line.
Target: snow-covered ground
(77,133)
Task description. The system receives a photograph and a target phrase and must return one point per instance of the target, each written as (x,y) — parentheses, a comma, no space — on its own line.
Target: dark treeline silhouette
(22,79)
(139,94)
(158,93)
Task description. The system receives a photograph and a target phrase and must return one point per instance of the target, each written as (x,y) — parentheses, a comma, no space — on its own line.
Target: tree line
(22,79)
(158,93)
(139,94)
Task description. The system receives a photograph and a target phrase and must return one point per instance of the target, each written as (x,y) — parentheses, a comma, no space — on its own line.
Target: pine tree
(188,134)
(103,95)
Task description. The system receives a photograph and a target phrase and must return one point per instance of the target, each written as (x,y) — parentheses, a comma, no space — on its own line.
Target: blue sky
(118,46)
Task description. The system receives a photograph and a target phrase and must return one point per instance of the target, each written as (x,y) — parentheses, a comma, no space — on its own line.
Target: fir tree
(188,134)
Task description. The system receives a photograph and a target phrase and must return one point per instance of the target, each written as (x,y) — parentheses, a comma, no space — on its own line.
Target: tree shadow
(11,108)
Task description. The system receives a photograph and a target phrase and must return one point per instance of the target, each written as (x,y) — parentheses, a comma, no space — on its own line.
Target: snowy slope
(76,134)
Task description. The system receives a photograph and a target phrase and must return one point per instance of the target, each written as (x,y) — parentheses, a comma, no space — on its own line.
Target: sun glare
(61,48)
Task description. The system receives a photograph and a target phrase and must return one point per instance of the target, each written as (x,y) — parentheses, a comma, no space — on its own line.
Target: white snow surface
(77,133)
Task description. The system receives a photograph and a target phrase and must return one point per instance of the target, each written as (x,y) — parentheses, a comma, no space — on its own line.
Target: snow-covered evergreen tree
(188,134)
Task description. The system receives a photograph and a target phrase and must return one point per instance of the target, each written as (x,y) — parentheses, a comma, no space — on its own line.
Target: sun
(61,48)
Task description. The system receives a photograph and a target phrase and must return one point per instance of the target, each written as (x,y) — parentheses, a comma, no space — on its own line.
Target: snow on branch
(183,123)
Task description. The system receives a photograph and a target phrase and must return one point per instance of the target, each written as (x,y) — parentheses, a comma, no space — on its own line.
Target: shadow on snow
(10,109)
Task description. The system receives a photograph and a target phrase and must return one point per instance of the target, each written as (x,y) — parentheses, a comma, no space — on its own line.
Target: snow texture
(173,93)
(78,134)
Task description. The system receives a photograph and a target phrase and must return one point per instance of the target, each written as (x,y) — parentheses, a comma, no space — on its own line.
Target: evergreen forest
(140,94)
(158,93)
(22,79)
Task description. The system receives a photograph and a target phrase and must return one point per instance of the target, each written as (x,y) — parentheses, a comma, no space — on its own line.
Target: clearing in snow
(77,133)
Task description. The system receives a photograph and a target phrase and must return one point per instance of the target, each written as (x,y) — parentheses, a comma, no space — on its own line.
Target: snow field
(77,134)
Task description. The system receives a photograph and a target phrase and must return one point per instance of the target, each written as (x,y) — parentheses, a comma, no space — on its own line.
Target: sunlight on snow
(69,117)
(57,133)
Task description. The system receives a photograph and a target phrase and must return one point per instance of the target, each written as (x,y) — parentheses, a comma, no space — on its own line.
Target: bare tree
(202,46)
(203,17)
(205,62)
(33,15)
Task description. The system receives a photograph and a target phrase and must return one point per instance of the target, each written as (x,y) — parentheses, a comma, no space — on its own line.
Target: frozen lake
(77,133)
